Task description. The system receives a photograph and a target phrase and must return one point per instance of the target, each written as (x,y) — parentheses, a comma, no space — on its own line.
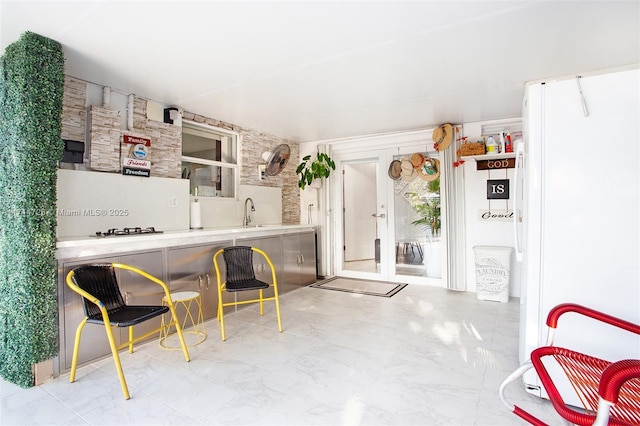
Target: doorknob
(381,215)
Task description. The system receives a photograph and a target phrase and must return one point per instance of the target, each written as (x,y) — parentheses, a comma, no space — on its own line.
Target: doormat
(350,285)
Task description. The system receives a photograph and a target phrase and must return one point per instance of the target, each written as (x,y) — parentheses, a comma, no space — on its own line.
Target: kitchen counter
(90,246)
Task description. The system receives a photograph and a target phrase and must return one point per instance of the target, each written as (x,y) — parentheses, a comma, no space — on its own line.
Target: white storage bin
(493,265)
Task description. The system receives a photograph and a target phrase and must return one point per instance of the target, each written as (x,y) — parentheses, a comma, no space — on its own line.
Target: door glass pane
(418,225)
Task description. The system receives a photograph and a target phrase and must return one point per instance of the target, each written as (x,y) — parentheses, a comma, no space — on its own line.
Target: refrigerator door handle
(517,208)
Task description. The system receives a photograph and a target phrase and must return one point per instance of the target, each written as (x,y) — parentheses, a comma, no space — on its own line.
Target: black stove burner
(128,231)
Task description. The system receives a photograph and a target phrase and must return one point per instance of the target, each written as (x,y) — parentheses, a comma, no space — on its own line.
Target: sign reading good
(135,163)
(495,215)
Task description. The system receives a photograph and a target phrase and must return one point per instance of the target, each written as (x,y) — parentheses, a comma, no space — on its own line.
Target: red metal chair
(609,391)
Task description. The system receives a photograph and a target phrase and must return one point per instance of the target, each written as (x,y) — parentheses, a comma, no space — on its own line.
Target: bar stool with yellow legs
(185,300)
(240,276)
(103,304)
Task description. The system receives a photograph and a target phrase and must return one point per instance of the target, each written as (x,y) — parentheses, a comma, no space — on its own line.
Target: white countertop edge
(77,247)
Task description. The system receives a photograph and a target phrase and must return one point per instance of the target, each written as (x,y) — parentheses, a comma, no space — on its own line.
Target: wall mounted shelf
(489,156)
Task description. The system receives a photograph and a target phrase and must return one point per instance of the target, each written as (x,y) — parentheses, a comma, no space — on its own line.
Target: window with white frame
(210,160)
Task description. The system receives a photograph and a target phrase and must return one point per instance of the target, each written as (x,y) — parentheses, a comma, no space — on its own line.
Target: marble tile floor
(426,356)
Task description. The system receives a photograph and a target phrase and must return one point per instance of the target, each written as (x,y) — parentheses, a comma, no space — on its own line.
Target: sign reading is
(498,189)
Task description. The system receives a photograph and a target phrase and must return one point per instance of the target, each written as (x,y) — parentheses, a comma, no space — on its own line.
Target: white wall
(94,201)
(474,187)
(482,232)
(89,202)
(221,212)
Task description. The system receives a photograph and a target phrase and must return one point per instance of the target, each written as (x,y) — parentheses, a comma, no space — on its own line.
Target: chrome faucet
(247,219)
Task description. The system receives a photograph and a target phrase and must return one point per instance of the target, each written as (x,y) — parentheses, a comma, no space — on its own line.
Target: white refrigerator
(577,212)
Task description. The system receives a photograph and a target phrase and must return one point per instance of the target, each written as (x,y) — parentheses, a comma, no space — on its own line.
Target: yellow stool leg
(174,315)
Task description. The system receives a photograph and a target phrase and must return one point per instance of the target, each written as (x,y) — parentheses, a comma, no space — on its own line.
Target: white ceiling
(313,70)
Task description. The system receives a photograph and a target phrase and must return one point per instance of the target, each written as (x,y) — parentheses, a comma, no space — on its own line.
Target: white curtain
(451,191)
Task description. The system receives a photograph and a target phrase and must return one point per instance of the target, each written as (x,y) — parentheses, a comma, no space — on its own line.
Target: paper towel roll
(196,215)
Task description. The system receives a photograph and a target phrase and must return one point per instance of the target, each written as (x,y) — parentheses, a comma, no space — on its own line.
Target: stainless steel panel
(94,343)
(308,258)
(136,289)
(273,247)
(191,269)
(299,259)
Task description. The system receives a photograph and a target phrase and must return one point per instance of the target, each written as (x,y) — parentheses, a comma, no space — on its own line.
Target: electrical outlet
(262,174)
(172,202)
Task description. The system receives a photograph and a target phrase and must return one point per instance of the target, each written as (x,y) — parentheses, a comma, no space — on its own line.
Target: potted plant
(309,171)
(430,215)
(429,209)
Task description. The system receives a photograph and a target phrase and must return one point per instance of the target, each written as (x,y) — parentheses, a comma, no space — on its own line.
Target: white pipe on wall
(130,113)
(106,96)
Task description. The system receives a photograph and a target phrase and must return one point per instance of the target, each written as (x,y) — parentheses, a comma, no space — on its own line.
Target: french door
(380,230)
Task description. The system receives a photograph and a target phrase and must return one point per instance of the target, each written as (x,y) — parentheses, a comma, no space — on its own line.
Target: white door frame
(361,147)
(381,220)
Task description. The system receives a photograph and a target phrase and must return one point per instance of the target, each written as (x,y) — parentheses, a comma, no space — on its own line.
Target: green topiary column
(31,87)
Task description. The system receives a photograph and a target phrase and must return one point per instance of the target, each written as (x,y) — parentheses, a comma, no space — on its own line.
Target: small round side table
(190,326)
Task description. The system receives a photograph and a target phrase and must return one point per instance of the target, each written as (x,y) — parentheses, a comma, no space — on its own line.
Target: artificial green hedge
(31,88)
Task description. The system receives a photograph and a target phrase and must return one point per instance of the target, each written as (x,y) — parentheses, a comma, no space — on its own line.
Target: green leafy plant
(430,215)
(319,168)
(31,90)
(429,209)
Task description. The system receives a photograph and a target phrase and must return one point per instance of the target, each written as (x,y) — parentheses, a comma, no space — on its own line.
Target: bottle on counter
(492,146)
(508,146)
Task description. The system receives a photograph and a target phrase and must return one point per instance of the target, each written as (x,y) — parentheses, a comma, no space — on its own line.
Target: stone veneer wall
(74,113)
(254,143)
(105,136)
(105,139)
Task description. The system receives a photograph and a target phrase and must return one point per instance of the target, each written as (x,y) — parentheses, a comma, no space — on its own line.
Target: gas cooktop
(114,232)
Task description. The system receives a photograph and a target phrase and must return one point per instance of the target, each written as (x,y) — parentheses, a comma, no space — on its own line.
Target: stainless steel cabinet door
(94,343)
(191,269)
(299,259)
(135,289)
(273,247)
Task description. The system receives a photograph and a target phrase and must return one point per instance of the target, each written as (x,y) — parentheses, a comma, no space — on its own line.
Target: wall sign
(136,163)
(498,189)
(503,163)
(495,215)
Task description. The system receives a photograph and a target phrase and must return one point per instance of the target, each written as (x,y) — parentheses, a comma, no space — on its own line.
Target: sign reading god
(503,163)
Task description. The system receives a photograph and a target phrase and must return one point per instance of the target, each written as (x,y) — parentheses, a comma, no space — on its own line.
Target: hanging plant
(319,168)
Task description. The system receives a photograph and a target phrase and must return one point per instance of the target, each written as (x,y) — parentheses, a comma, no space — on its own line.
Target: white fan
(277,159)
